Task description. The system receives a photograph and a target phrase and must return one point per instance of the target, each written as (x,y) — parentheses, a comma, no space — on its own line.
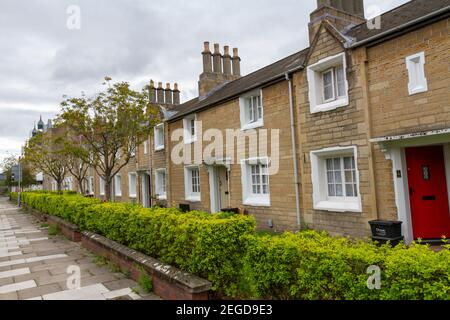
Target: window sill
(257,202)
(190,141)
(159,148)
(193,198)
(417,90)
(252,125)
(161,197)
(338,206)
(343,102)
(132,196)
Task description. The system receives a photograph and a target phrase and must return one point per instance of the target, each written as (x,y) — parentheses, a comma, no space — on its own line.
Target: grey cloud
(131,41)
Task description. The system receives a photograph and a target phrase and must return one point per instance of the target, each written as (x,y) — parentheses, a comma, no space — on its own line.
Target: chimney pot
(206,47)
(207,56)
(217,58)
(160,93)
(216,48)
(168,94)
(176,94)
(226,61)
(152,92)
(236,63)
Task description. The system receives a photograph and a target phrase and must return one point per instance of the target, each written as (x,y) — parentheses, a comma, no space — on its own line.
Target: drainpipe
(294,151)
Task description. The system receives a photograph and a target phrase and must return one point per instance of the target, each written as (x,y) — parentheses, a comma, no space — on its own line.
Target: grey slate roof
(390,20)
(244,84)
(399,16)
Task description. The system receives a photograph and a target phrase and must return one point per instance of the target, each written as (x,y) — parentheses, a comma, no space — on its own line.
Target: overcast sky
(130,40)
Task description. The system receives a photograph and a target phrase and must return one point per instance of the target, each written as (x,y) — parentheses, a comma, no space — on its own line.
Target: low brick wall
(68,229)
(169,282)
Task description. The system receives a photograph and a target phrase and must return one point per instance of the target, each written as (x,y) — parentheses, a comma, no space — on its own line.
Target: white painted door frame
(396,153)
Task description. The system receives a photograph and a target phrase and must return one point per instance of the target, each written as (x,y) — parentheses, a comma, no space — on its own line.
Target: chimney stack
(226,61)
(160,93)
(207,57)
(176,94)
(222,69)
(342,14)
(236,63)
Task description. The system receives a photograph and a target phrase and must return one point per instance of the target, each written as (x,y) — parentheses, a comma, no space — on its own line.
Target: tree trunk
(80,186)
(59,186)
(108,189)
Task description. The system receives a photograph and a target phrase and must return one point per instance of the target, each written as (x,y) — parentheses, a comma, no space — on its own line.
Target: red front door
(428,192)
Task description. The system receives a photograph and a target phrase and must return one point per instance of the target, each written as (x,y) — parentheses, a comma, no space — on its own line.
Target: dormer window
(252,114)
(328,86)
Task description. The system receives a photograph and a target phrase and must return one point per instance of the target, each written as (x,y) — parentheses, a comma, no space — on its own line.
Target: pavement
(37,266)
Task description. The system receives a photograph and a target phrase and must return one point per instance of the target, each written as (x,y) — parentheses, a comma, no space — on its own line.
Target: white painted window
(192,183)
(91,185)
(251,110)
(102,186)
(416,73)
(190,129)
(132,188)
(118,185)
(328,85)
(159,137)
(160,184)
(145,147)
(335,179)
(54,186)
(255,182)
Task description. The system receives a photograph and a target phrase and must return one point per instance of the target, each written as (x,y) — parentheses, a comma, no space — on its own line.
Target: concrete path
(36,266)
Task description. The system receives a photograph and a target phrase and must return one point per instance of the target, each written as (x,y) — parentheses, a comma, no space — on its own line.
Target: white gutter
(294,151)
(398,28)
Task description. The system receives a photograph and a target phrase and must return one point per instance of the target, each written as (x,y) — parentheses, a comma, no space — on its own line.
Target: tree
(45,152)
(77,156)
(10,166)
(112,124)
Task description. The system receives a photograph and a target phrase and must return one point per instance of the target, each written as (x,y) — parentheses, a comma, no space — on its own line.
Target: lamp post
(20,180)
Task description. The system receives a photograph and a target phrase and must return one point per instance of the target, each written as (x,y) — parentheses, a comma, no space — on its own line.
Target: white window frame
(315,74)
(246,122)
(118,185)
(102,186)
(132,185)
(415,64)
(159,134)
(187,128)
(321,200)
(145,143)
(250,198)
(91,185)
(189,194)
(161,184)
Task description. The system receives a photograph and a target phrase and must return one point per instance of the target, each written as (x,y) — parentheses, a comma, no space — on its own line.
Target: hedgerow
(226,250)
(211,246)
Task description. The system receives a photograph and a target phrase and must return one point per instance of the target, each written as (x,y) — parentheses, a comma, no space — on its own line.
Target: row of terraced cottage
(354,128)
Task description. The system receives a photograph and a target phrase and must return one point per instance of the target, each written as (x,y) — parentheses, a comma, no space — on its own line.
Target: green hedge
(211,246)
(226,250)
(314,266)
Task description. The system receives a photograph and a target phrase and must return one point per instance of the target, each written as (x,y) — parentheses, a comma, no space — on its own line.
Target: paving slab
(34,265)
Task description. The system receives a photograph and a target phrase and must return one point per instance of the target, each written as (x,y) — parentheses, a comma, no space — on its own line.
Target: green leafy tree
(27,178)
(45,152)
(112,124)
